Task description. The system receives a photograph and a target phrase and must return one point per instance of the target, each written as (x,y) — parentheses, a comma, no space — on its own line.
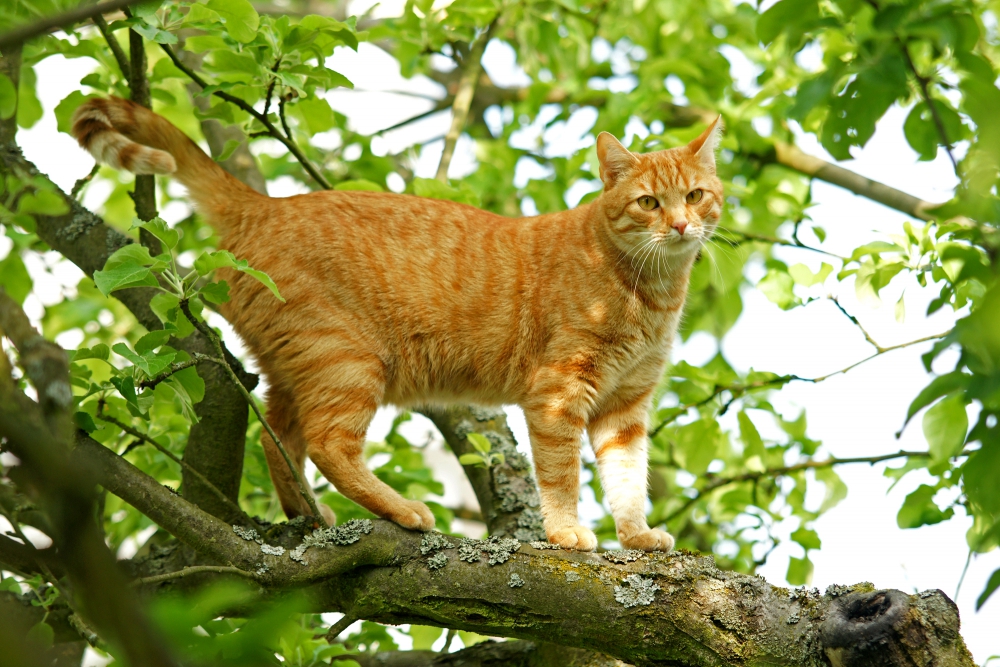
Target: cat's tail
(125,135)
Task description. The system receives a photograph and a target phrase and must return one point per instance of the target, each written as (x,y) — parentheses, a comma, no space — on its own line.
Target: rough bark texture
(507,493)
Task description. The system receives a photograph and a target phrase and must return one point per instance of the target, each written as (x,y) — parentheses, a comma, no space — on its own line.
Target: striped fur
(394,299)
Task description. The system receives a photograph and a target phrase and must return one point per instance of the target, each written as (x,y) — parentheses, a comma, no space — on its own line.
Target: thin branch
(80,182)
(339,627)
(737,391)
(463,100)
(194,569)
(748,236)
(116,48)
(135,433)
(220,360)
(174,368)
(856,323)
(717,482)
(923,82)
(263,120)
(24,33)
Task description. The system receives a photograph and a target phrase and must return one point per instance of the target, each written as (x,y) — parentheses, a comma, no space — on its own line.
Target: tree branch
(923,82)
(19,35)
(263,120)
(116,48)
(463,100)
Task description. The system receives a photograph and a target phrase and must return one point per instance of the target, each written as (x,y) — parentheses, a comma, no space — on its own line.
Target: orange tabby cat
(395,299)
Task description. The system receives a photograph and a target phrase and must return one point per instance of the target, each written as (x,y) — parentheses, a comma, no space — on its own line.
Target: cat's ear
(707,142)
(615,159)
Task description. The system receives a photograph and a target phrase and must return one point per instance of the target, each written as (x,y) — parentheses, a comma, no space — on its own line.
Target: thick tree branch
(20,35)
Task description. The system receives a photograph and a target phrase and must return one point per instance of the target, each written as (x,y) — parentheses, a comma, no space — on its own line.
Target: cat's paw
(412,514)
(574,537)
(651,539)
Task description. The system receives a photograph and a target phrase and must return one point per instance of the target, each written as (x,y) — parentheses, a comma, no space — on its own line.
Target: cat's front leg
(555,425)
(620,445)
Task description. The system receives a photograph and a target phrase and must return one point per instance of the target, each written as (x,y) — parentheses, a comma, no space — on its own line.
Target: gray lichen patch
(803,594)
(499,549)
(437,561)
(346,533)
(486,414)
(571,577)
(515,581)
(623,556)
(836,590)
(538,544)
(530,526)
(248,534)
(434,541)
(272,550)
(793,619)
(262,569)
(636,591)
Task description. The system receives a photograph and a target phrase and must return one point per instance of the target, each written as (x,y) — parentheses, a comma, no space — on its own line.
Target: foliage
(651,64)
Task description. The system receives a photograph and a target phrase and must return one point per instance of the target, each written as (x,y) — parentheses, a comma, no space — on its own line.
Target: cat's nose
(680,226)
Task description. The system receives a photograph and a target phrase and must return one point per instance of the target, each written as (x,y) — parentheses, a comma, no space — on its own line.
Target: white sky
(854,415)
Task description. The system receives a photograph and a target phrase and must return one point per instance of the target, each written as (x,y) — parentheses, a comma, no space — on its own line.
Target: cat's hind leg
(282,418)
(619,440)
(343,395)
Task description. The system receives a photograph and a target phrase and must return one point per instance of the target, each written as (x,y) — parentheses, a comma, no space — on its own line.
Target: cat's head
(669,199)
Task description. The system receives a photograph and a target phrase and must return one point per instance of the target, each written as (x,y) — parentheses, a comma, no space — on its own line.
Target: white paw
(651,539)
(574,537)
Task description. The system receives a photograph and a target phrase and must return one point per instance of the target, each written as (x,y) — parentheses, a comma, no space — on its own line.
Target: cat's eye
(694,196)
(648,203)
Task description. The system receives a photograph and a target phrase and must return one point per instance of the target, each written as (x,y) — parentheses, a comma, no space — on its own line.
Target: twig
(463,101)
(116,48)
(263,120)
(221,361)
(83,181)
(339,627)
(24,33)
(135,433)
(194,569)
(748,236)
(174,368)
(738,390)
(922,81)
(717,482)
(853,319)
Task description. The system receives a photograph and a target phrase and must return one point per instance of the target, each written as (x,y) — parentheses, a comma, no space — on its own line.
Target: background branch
(19,35)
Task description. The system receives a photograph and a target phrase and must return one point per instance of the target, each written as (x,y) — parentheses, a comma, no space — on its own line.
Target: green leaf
(149,363)
(991,586)
(360,184)
(14,276)
(8,97)
(471,459)
(126,275)
(807,537)
(158,228)
(980,476)
(65,109)
(753,446)
(777,285)
(697,444)
(146,8)
(480,442)
(84,421)
(192,383)
(435,189)
(215,292)
(791,16)
(240,17)
(919,509)
(99,351)
(210,261)
(939,386)
(945,425)
(42,634)
(151,341)
(42,202)
(228,150)
(424,636)
(800,571)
